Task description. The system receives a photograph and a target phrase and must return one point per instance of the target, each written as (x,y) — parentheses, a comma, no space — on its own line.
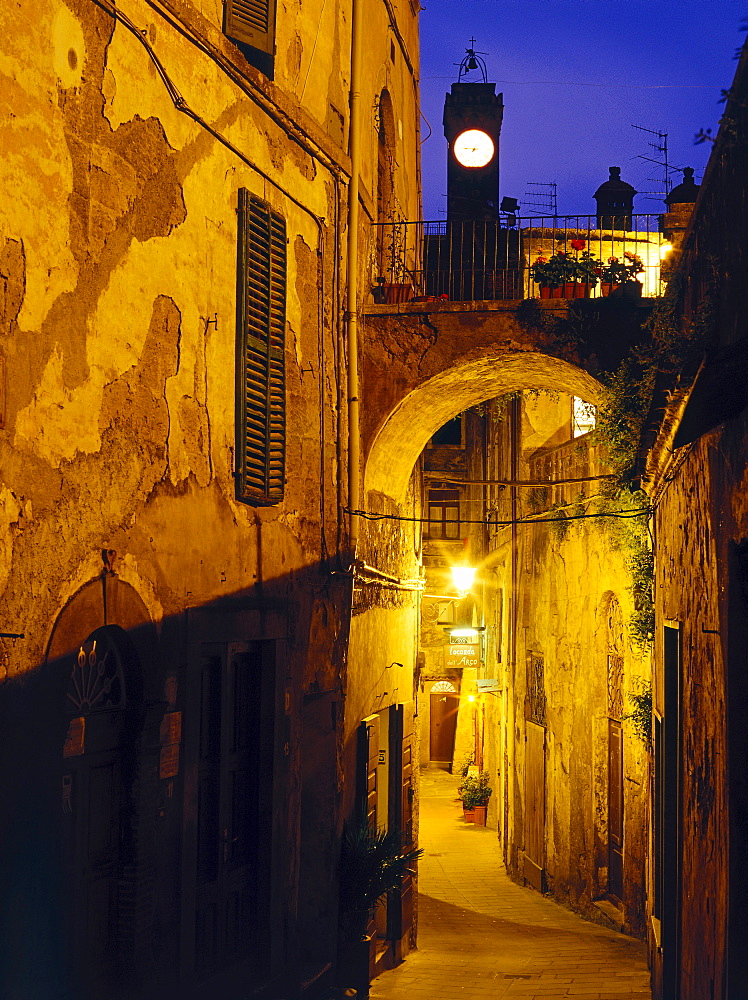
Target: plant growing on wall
(640,715)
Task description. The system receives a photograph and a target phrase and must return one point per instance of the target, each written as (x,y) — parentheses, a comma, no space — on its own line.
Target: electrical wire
(368,515)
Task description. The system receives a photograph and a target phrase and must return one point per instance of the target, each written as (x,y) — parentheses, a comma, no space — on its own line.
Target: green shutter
(261,325)
(252,22)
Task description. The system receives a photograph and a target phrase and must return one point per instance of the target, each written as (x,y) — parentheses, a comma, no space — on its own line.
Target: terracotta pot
(569,290)
(608,288)
(480,815)
(397,292)
(469,815)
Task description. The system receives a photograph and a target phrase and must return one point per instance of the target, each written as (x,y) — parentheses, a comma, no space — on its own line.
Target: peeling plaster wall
(118,258)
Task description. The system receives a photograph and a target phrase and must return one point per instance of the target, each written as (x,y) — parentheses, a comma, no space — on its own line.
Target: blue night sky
(576,75)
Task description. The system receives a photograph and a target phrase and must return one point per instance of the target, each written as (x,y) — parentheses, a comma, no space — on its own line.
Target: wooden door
(615,810)
(94,813)
(534,868)
(234,805)
(444,708)
(670,848)
(400,906)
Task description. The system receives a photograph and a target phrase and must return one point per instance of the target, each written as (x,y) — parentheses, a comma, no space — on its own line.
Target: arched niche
(403,434)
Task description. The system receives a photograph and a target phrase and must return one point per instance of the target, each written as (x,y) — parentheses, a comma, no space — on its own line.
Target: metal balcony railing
(467,261)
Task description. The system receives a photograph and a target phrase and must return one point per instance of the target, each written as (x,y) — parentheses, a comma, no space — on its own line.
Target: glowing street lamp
(463,577)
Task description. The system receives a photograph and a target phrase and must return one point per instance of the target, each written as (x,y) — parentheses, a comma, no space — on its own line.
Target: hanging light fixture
(462,577)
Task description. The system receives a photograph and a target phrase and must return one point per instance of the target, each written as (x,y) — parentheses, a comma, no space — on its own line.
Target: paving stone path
(482,936)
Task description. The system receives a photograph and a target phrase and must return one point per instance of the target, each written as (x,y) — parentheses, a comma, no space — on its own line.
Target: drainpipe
(354,145)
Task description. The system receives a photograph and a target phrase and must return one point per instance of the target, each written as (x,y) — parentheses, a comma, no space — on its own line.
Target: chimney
(615,202)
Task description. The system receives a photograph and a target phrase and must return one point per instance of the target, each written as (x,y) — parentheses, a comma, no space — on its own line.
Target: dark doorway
(615,810)
(444,706)
(96,832)
(234,805)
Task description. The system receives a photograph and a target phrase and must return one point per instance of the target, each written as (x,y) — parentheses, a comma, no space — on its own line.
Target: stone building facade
(694,459)
(176,585)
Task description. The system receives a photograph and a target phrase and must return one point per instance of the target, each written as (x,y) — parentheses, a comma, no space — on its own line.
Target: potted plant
(372,863)
(619,277)
(566,275)
(475,792)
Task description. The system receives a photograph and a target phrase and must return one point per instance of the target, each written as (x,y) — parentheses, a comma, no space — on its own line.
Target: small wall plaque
(171,729)
(169,761)
(75,741)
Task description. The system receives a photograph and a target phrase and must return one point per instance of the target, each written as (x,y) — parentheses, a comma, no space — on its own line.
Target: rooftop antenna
(543,200)
(659,147)
(472,61)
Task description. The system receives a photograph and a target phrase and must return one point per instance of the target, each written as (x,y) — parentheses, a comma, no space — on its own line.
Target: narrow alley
(482,935)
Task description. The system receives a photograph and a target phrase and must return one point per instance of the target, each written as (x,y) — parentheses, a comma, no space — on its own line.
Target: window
(449,433)
(583,417)
(260,362)
(444,514)
(251,23)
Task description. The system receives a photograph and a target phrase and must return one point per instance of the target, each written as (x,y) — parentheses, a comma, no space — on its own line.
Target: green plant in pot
(617,274)
(373,863)
(475,792)
(578,268)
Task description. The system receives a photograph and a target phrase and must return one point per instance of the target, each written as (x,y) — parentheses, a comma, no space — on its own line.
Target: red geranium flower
(578,244)
(541,260)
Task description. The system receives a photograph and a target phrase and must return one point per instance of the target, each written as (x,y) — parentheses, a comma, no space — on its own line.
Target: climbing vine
(640,715)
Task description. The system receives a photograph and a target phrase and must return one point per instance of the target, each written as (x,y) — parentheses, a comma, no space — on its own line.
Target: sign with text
(463,651)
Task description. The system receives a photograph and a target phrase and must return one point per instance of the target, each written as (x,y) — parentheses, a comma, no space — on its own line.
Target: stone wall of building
(127,133)
(557,618)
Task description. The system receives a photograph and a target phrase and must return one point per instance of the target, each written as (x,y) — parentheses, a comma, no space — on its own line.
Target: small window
(444,514)
(449,433)
(260,367)
(251,23)
(583,417)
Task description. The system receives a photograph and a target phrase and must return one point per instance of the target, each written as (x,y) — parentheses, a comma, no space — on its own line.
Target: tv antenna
(542,199)
(660,147)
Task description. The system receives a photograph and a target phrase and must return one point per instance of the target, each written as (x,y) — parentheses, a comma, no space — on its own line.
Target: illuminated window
(583,417)
(260,361)
(444,514)
(443,686)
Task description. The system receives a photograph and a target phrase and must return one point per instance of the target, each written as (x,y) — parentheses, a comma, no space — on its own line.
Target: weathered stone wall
(118,260)
(558,601)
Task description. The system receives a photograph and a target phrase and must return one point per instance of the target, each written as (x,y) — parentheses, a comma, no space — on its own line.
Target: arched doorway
(97,828)
(444,702)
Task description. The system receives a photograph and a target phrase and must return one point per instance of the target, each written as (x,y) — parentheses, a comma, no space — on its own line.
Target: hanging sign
(463,651)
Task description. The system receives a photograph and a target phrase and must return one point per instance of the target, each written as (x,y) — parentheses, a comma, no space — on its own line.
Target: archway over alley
(425,363)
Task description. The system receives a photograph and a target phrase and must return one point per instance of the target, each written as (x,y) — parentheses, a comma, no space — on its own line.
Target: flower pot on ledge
(569,290)
(480,815)
(389,293)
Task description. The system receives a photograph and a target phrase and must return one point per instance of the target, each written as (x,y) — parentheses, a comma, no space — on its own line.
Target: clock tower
(473,113)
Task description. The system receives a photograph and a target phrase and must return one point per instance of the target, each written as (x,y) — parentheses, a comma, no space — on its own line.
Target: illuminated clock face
(473,148)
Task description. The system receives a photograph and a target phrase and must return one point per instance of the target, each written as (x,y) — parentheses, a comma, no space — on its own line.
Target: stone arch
(403,434)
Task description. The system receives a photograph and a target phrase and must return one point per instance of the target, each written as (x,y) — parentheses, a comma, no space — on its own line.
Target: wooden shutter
(368,761)
(251,22)
(261,323)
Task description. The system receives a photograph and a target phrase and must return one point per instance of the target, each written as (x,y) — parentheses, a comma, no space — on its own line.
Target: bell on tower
(473,113)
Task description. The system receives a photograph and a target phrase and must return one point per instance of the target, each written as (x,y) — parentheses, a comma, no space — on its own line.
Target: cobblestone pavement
(482,936)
